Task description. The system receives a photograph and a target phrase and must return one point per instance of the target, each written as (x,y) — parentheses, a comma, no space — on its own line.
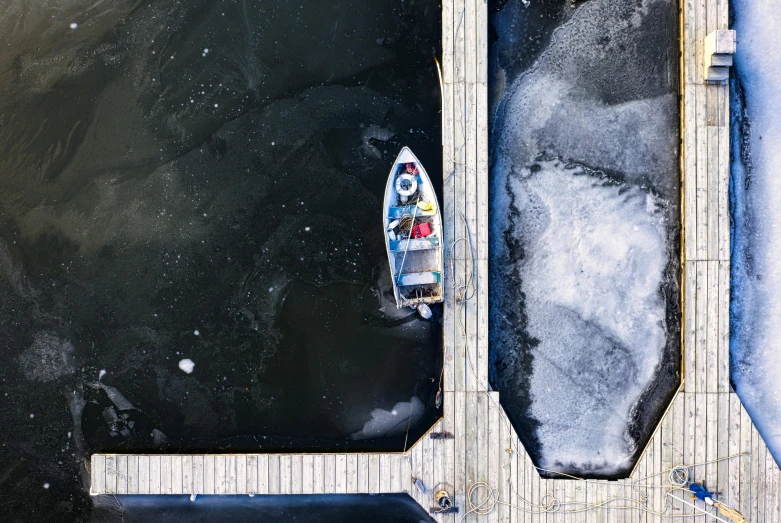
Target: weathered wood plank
(759,476)
(121,474)
(208,474)
(474,356)
(285,474)
(712,327)
(220,474)
(307,474)
(711,428)
(263,479)
(690,311)
(659,452)
(459,179)
(198,474)
(701,169)
(251,474)
(132,474)
(690,437)
(98,474)
(499,432)
(296,473)
(318,474)
(374,473)
(177,466)
(362,474)
(340,474)
(723,251)
(700,325)
(482,234)
(689,163)
(385,475)
(771,494)
(723,328)
(274,474)
(460,457)
(712,161)
(240,479)
(723,441)
(111,474)
(165,474)
(155,483)
(351,472)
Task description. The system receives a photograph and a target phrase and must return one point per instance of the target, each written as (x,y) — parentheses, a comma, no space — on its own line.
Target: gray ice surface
(584,210)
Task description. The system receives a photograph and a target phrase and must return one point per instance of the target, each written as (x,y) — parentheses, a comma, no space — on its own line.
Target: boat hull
(412,224)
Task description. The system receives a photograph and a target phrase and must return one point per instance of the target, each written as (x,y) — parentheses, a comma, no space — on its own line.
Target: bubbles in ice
(187,365)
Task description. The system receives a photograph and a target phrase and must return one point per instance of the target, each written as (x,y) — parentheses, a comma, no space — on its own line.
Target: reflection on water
(202,181)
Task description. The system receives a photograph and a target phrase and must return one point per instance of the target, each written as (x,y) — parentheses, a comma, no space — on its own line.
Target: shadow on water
(389,508)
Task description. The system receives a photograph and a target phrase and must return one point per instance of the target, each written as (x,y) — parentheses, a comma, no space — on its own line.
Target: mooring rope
(490,498)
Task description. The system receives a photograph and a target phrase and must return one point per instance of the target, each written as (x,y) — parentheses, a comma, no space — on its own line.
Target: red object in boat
(421,231)
(410,168)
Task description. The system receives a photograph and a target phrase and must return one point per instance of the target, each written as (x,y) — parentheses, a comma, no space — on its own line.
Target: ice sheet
(584,237)
(756,239)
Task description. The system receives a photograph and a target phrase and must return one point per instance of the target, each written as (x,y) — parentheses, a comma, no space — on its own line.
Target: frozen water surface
(756,217)
(584,228)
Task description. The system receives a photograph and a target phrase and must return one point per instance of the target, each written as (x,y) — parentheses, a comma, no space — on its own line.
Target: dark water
(388,508)
(203,180)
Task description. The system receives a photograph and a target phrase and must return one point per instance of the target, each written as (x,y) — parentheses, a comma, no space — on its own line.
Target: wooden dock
(705,427)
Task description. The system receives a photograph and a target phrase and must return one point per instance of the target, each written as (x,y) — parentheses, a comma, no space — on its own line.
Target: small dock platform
(473,451)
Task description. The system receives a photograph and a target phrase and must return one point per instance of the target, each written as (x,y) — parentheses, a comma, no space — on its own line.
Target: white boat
(413,233)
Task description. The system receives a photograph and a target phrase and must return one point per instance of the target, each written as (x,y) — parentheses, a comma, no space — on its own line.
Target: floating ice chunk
(196,332)
(74,25)
(187,365)
(158,438)
(46,485)
(116,397)
(101,374)
(394,422)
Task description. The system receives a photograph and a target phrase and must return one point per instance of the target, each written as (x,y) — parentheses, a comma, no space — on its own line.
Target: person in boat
(410,168)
